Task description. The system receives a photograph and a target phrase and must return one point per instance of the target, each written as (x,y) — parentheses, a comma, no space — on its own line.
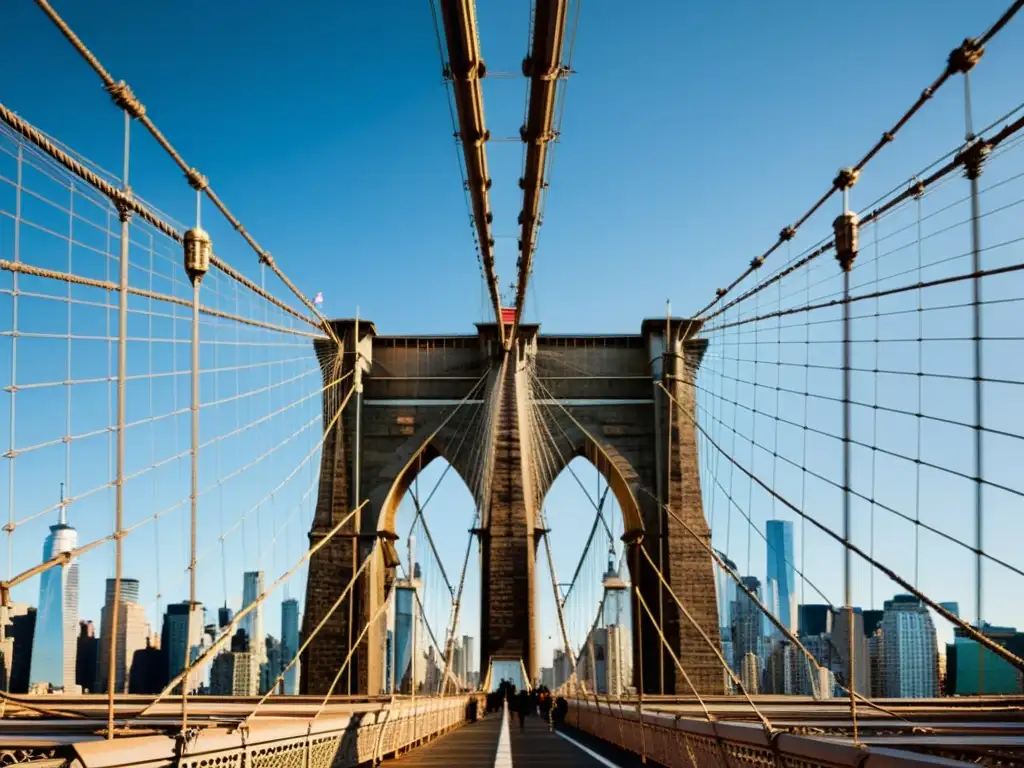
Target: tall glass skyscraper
(910,649)
(405,619)
(290,643)
(55,645)
(780,587)
(252,623)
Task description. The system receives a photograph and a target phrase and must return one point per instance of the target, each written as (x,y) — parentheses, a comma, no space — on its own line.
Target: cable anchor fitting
(787,234)
(846,178)
(963,58)
(757,263)
(198,248)
(846,229)
(917,189)
(973,157)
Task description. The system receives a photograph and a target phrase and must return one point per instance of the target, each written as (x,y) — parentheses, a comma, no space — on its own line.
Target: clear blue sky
(692,134)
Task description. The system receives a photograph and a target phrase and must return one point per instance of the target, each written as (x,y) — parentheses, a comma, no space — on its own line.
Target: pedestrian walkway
(476,746)
(471,746)
(536,745)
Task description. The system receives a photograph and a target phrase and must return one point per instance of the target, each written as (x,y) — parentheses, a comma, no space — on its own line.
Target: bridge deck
(476,746)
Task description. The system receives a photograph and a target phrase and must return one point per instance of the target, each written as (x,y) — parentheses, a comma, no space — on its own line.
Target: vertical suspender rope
(10,527)
(197,262)
(846,251)
(122,372)
(973,168)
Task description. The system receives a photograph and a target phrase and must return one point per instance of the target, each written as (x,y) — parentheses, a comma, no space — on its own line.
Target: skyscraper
(132,631)
(780,586)
(234,673)
(87,656)
(747,626)
(9,621)
(55,643)
(181,639)
(290,644)
(726,594)
(840,642)
(910,649)
(469,659)
(252,588)
(618,666)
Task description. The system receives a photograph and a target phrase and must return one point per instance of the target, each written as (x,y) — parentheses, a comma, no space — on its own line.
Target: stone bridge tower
(420,397)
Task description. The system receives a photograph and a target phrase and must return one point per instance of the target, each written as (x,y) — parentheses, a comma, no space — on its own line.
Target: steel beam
(544,68)
(466,68)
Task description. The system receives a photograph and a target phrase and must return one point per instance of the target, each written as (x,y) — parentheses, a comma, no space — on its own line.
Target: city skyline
(226,158)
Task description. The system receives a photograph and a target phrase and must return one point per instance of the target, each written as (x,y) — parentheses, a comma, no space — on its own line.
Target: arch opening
(585,519)
(431,516)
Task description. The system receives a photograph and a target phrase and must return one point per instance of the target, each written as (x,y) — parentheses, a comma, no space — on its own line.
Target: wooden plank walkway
(475,746)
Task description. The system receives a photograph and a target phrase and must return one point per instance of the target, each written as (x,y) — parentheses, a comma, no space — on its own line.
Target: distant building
(815,678)
(562,667)
(726,588)
(876,655)
(148,672)
(224,616)
(872,621)
(132,632)
(840,641)
(87,657)
(55,642)
(781,669)
(814,620)
(750,671)
(458,664)
(470,660)
(910,649)
(182,639)
(8,615)
(970,667)
(23,630)
(747,625)
(270,669)
(547,677)
(780,586)
(252,588)
(290,644)
(234,674)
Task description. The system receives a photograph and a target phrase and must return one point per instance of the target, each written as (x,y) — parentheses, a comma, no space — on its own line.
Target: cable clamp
(122,95)
(846,178)
(963,58)
(973,157)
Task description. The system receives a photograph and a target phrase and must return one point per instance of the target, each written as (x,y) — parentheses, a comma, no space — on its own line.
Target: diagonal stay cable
(127,101)
(863,497)
(961,59)
(430,540)
(707,546)
(974,634)
(124,201)
(586,547)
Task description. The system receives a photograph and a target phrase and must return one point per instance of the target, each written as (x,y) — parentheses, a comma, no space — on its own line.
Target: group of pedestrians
(538,701)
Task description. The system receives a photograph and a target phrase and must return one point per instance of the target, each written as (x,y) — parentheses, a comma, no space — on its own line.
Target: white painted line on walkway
(503,756)
(600,758)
